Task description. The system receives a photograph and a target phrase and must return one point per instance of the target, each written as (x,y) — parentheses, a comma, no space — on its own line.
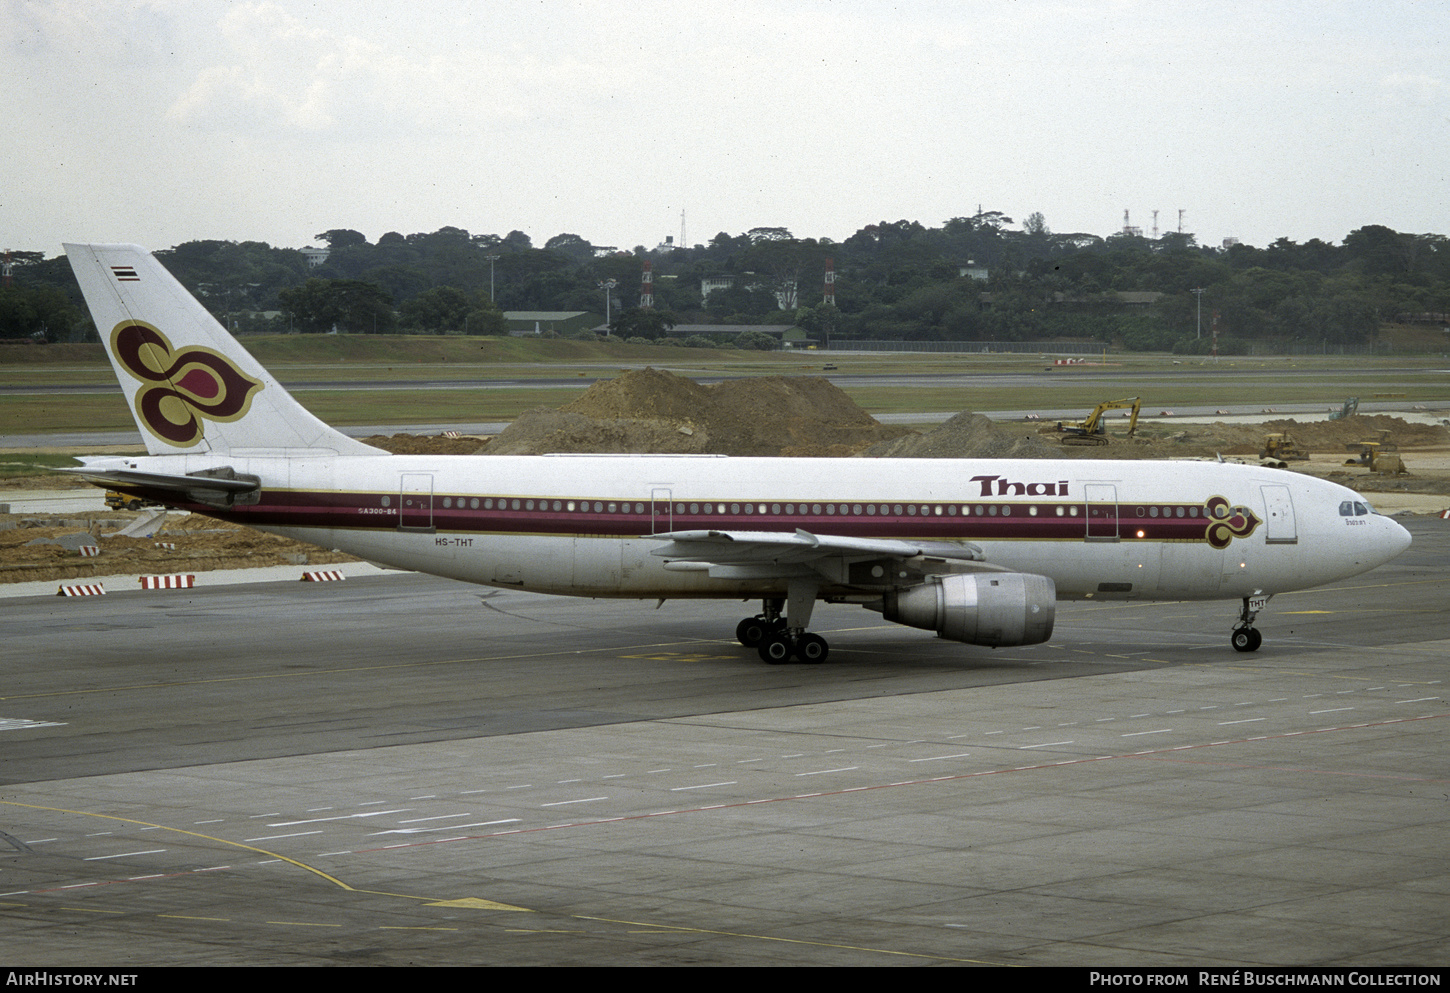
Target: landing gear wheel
(1246,640)
(752,631)
(776,649)
(811,648)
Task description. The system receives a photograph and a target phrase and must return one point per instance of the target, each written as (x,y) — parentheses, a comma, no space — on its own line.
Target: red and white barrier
(89,551)
(81,589)
(167,582)
(322,576)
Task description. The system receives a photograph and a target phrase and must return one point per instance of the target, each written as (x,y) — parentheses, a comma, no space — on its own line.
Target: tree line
(978,278)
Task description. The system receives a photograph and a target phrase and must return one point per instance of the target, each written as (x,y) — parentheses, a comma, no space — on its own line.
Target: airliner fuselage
(977,550)
(582,525)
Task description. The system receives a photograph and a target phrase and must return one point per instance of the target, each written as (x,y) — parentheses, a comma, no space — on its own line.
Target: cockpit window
(1362,508)
(1354,508)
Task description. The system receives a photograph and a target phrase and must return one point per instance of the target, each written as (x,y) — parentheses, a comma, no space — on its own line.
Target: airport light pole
(491,260)
(1199,293)
(607,285)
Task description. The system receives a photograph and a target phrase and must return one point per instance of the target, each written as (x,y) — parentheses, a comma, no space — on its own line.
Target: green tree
(443,308)
(485,318)
(347,305)
(39,310)
(758,340)
(570,246)
(341,238)
(635,322)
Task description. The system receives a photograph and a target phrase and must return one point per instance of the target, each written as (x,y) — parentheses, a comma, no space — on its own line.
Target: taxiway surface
(402,770)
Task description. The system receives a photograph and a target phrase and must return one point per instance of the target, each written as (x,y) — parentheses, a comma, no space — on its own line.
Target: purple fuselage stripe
(1012,521)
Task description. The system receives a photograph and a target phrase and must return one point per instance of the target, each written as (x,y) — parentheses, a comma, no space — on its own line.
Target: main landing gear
(1246,637)
(780,638)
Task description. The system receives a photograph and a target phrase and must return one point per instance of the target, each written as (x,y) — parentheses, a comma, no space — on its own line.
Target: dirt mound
(545,429)
(199,545)
(965,436)
(1334,435)
(654,411)
(423,444)
(1318,437)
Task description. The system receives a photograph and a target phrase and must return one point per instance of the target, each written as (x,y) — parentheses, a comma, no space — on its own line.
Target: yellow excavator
(1094,430)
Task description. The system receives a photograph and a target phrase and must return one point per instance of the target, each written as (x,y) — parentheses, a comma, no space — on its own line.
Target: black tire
(1246,640)
(776,650)
(812,649)
(751,631)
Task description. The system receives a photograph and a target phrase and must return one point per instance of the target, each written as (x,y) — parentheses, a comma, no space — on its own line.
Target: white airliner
(977,550)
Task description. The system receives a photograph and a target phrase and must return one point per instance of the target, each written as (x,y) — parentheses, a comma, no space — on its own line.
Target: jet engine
(998,609)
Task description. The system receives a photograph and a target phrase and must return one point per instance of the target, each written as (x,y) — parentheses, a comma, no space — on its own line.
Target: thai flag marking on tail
(125,274)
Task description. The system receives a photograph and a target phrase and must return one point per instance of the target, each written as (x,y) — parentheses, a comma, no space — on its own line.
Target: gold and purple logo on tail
(181,388)
(1227,522)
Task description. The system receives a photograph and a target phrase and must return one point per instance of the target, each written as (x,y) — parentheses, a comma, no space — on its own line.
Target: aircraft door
(415,502)
(1279,526)
(661,511)
(1102,511)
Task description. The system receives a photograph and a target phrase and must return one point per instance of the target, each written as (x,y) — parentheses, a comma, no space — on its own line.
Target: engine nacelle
(998,609)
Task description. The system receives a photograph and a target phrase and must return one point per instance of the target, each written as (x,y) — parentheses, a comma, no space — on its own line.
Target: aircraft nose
(1397,540)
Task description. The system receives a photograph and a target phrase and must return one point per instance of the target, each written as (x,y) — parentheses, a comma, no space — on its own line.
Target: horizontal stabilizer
(221,487)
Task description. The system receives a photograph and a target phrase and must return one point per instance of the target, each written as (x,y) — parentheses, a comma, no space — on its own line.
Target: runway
(401,770)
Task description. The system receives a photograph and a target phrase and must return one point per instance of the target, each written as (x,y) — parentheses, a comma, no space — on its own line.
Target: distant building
(316,256)
(710,284)
(522,323)
(785,295)
(973,270)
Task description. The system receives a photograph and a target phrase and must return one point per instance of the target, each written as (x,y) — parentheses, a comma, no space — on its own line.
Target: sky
(164,121)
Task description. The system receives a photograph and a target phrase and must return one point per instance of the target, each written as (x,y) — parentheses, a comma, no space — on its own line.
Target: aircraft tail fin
(191,387)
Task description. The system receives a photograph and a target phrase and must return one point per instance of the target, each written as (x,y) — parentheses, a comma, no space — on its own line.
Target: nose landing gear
(1246,637)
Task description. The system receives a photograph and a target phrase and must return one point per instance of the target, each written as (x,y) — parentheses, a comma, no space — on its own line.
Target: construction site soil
(654,411)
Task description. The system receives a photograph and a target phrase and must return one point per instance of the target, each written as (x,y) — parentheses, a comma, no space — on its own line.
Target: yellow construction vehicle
(1377,457)
(1094,430)
(125,501)
(1380,441)
(1282,446)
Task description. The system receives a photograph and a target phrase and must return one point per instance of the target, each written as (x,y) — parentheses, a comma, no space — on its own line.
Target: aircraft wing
(864,562)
